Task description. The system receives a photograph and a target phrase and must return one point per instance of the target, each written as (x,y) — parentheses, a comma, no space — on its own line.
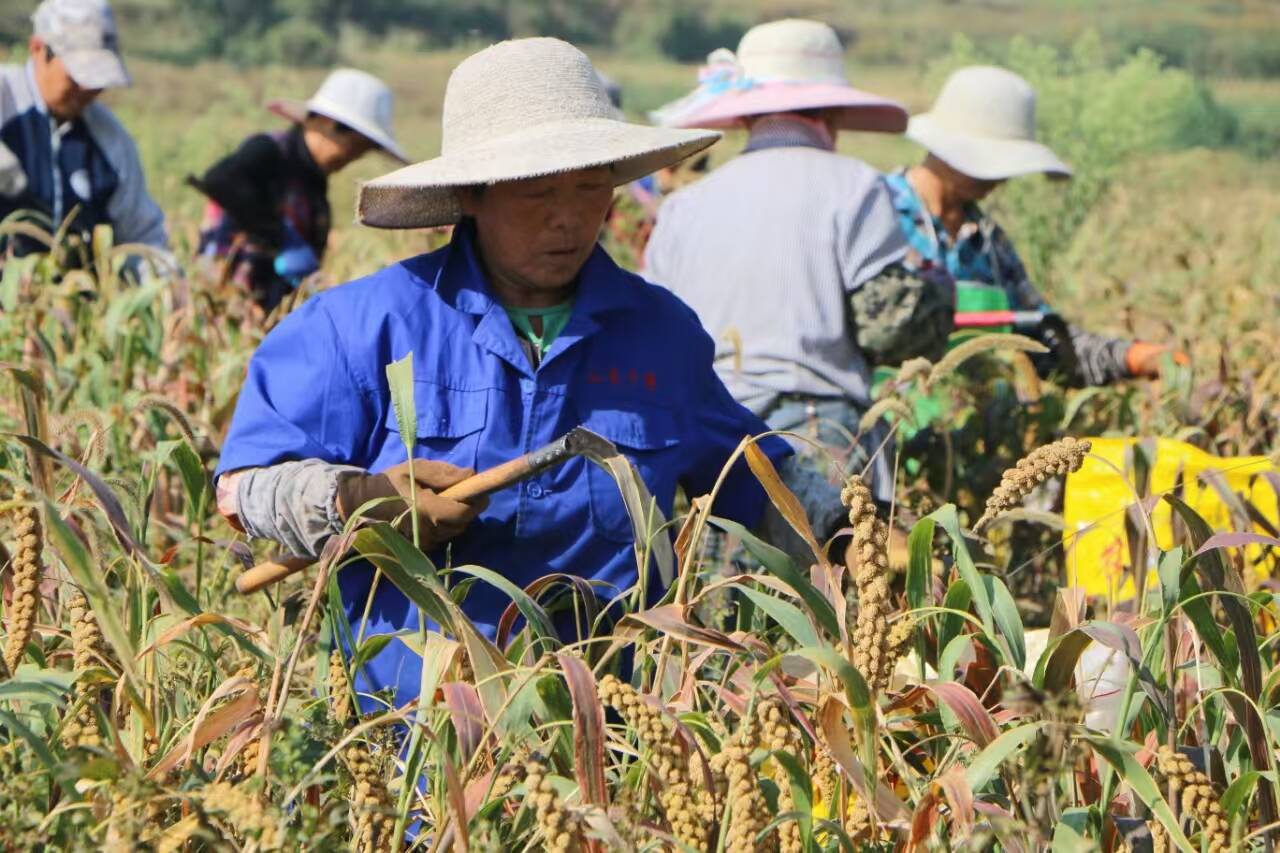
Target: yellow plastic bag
(1097,552)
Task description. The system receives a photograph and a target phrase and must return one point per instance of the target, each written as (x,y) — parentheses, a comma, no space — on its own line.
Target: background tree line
(311,32)
(1208,37)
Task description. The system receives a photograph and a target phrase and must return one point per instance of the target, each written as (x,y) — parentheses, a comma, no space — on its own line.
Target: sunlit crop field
(945,697)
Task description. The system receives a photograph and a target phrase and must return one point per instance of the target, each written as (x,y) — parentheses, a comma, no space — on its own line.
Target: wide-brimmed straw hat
(782,66)
(983,124)
(521,109)
(354,98)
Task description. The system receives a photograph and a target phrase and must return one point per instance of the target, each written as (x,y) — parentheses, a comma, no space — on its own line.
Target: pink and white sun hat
(354,98)
(782,66)
(983,124)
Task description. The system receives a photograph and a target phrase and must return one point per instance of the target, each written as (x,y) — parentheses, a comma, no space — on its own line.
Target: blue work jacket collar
(461,280)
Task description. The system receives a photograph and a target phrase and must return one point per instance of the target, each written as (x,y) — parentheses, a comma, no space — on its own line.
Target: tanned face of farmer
(959,186)
(65,98)
(534,235)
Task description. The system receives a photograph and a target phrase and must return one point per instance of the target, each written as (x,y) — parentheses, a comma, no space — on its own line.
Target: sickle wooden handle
(474,487)
(272,571)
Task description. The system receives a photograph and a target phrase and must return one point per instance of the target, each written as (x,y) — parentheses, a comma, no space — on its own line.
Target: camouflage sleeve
(900,314)
(1100,360)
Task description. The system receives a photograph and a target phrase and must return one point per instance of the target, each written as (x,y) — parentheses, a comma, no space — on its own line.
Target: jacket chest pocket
(449,423)
(650,441)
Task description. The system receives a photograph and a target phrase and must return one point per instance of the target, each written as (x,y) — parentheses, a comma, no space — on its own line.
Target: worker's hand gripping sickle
(440,518)
(447,498)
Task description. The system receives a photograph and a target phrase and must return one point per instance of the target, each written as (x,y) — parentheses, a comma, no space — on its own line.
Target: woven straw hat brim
(986,158)
(296,112)
(422,195)
(853,108)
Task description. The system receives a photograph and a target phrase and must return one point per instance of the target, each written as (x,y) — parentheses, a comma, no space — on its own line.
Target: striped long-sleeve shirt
(982,252)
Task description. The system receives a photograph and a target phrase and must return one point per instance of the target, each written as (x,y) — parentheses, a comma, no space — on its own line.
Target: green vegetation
(152,708)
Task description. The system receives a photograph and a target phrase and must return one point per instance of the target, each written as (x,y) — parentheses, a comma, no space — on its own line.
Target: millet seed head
(1193,792)
(876,647)
(1052,460)
(688,807)
(27,569)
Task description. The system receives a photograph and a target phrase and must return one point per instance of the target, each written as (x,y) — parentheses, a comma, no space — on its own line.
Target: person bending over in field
(790,253)
(980,133)
(268,213)
(520,329)
(60,152)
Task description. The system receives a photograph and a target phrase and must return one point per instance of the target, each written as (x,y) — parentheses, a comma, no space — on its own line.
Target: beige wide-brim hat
(521,109)
(983,124)
(354,98)
(782,66)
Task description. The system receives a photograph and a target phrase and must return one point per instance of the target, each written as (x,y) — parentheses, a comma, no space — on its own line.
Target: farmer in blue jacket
(520,329)
(60,151)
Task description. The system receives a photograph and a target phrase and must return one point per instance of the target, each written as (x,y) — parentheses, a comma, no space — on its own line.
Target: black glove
(1052,331)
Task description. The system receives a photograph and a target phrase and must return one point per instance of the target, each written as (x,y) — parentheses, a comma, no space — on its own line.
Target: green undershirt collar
(554,319)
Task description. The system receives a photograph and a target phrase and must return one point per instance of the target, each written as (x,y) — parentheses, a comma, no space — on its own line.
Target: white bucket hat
(520,109)
(354,98)
(983,124)
(82,33)
(782,66)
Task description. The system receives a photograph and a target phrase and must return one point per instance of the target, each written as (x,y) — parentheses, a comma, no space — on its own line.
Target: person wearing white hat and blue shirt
(60,150)
(980,133)
(268,218)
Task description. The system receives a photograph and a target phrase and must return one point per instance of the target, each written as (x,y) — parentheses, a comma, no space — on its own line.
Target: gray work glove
(439,518)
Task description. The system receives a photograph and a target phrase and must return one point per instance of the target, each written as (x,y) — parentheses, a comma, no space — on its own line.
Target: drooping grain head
(686,804)
(560,826)
(372,807)
(748,809)
(27,569)
(244,812)
(339,690)
(88,650)
(1052,460)
(876,645)
(1192,796)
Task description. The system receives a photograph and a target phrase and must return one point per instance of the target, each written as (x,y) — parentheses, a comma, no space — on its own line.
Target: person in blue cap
(63,155)
(519,329)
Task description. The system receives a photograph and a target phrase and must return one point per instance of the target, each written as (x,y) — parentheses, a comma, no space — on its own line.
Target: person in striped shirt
(979,134)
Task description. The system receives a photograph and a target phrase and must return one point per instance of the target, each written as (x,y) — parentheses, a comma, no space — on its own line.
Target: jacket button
(533,489)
